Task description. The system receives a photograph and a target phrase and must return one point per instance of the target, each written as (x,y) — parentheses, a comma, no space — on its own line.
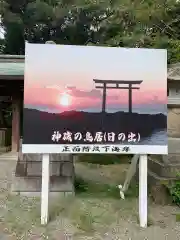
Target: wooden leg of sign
(130,173)
(143,161)
(45,189)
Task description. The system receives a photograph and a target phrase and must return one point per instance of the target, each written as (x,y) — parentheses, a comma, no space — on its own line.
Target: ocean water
(154,109)
(157,138)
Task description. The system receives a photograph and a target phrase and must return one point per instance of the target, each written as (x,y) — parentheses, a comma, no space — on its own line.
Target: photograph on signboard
(95,99)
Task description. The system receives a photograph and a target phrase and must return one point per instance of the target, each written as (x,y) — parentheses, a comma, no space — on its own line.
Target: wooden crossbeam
(117,81)
(104,86)
(117,87)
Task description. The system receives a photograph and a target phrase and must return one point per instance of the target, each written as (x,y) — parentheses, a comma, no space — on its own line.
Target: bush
(175,191)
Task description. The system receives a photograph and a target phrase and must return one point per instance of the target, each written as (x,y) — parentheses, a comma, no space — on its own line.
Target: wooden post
(45,183)
(130,173)
(130,98)
(16,100)
(104,98)
(45,189)
(143,161)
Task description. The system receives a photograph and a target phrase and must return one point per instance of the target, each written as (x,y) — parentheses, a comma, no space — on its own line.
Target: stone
(33,184)
(60,157)
(173,122)
(67,169)
(159,194)
(61,175)
(35,169)
(55,168)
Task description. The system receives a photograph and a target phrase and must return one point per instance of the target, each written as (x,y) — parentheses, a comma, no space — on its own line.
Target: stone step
(156,178)
(173,158)
(35,169)
(168,170)
(52,195)
(38,157)
(21,169)
(157,190)
(31,164)
(33,184)
(8,156)
(173,145)
(5,149)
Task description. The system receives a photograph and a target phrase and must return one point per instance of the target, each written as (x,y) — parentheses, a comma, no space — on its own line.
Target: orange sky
(45,96)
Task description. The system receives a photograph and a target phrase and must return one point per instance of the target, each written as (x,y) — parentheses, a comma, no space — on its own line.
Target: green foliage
(178,217)
(175,192)
(126,23)
(88,188)
(174,51)
(174,189)
(100,190)
(2,42)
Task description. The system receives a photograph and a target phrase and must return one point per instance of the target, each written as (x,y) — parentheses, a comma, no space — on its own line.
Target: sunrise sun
(65,100)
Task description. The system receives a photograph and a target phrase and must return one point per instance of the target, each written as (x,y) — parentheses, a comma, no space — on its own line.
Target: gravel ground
(83,217)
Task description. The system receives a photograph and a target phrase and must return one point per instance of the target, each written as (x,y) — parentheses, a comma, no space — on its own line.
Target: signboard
(87,99)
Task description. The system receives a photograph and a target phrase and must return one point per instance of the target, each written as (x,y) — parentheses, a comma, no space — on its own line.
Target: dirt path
(83,217)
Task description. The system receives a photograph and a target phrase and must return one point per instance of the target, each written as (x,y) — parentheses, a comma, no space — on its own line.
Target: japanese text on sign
(95,149)
(97,137)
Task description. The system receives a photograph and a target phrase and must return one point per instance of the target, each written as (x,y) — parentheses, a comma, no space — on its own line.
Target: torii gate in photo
(129,86)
